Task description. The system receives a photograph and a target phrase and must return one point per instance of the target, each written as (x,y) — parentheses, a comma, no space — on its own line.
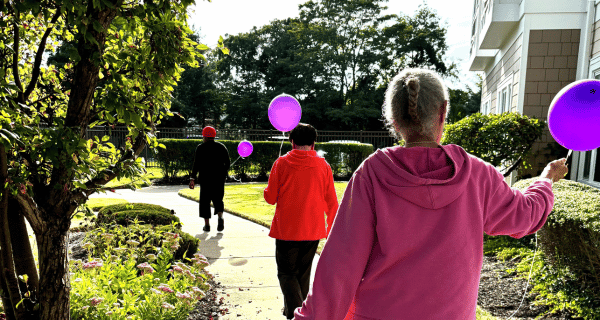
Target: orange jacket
(301,184)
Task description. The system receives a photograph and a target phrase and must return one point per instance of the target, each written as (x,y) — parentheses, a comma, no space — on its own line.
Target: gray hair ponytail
(412,102)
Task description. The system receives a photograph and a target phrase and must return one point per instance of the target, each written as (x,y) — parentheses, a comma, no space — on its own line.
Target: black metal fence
(379,139)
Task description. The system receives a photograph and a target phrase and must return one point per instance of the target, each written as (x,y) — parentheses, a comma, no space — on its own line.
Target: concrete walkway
(242,257)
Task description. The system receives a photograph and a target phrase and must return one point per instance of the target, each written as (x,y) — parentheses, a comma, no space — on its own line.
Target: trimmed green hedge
(125,214)
(571,236)
(114,208)
(179,155)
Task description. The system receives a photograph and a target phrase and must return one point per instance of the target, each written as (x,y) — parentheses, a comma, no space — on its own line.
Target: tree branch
(17,39)
(38,56)
(107,175)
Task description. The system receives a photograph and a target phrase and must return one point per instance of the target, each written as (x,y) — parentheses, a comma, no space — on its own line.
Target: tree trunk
(9,277)
(24,261)
(55,287)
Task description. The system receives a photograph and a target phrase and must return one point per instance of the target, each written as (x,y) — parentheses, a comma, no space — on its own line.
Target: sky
(221,17)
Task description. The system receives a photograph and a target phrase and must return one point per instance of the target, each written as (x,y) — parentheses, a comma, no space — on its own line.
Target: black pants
(294,262)
(211,191)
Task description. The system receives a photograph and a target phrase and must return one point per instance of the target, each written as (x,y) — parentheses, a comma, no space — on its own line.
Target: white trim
(594,158)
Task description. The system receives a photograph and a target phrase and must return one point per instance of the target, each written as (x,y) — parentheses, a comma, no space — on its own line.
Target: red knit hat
(209,132)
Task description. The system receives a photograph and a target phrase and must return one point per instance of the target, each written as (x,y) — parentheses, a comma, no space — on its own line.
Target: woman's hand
(555,170)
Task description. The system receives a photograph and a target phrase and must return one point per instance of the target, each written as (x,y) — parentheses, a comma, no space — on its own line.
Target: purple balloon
(285,112)
(245,148)
(574,115)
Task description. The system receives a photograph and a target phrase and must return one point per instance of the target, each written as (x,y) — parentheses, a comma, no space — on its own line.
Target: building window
(590,167)
(504,95)
(485,107)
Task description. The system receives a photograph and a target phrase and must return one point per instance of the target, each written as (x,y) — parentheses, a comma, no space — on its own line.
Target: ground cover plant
(562,277)
(127,279)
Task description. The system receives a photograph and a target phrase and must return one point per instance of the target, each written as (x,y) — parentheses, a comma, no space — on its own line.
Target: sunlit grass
(151,174)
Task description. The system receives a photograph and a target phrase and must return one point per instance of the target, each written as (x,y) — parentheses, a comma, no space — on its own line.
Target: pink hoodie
(407,241)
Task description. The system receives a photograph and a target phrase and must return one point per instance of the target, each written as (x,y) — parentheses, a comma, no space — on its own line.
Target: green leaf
(225,50)
(97,26)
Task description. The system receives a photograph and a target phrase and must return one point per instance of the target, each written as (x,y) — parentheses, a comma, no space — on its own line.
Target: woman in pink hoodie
(407,241)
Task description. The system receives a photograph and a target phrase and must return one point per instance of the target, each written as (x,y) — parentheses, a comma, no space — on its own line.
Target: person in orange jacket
(301,184)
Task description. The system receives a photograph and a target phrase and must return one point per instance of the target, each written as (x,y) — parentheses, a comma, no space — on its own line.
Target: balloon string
(283,134)
(531,269)
(569,154)
(235,161)
(233,177)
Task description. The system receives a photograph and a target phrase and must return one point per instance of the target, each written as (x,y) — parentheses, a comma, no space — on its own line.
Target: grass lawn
(247,201)
(152,173)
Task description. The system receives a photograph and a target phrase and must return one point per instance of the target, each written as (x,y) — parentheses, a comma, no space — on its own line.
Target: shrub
(130,284)
(149,237)
(154,218)
(499,139)
(133,206)
(571,236)
(124,214)
(179,155)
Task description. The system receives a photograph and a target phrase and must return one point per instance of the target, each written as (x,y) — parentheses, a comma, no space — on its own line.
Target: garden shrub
(571,236)
(154,218)
(150,238)
(340,156)
(500,139)
(124,214)
(133,206)
(138,280)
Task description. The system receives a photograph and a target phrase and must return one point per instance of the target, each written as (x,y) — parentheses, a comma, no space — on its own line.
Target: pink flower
(165,288)
(22,188)
(155,291)
(92,264)
(177,269)
(96,301)
(167,306)
(85,307)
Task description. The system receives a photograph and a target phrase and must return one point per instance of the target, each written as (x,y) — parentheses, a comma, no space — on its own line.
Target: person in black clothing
(211,163)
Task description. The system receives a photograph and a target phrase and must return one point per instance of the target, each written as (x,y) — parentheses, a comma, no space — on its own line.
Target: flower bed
(125,282)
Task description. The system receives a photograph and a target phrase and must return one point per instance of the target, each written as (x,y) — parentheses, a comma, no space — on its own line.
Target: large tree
(336,59)
(125,59)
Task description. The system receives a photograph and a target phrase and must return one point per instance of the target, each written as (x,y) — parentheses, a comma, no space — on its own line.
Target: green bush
(571,236)
(499,139)
(133,206)
(124,214)
(154,218)
(179,155)
(150,238)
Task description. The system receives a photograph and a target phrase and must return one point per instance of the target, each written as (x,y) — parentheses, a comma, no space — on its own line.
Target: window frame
(505,86)
(595,157)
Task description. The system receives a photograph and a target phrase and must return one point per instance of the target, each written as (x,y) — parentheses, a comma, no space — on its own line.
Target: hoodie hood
(300,159)
(431,178)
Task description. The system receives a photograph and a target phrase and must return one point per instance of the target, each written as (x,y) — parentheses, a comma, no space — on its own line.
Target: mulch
(501,293)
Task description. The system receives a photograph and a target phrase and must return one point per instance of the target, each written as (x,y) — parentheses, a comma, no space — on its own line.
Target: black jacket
(211,162)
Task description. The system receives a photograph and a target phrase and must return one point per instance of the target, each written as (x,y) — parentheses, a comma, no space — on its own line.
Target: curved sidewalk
(242,257)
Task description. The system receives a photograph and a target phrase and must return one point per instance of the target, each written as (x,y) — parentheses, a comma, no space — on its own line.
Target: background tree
(464,103)
(336,59)
(196,95)
(126,58)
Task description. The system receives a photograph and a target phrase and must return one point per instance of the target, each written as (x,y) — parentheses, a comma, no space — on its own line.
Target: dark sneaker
(220,227)
(206,228)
